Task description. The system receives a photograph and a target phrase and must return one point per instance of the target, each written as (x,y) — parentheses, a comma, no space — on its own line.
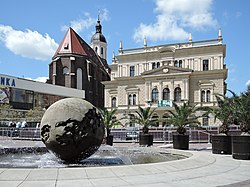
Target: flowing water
(105,156)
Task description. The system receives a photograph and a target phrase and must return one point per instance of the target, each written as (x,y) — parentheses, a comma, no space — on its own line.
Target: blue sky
(30,31)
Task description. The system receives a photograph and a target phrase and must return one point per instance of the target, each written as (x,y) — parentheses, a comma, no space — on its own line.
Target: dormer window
(66,45)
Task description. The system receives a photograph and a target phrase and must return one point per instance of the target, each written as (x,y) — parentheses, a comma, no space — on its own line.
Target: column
(160,90)
(172,90)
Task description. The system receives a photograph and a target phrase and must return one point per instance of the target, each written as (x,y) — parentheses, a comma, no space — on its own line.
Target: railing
(163,135)
(19,133)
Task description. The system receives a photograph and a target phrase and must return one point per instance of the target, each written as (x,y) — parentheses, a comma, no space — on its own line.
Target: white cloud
(248,83)
(39,79)
(86,23)
(29,44)
(174,18)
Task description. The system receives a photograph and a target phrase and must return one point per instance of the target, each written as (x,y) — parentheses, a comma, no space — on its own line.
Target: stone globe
(72,129)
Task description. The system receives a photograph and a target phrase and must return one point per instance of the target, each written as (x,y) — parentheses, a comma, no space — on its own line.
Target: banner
(5,95)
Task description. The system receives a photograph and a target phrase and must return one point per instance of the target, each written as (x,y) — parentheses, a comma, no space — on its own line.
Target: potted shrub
(109,121)
(241,143)
(182,116)
(144,118)
(224,112)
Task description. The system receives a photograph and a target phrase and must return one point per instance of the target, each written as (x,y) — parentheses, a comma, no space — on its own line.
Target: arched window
(134,99)
(177,94)
(208,96)
(153,65)
(155,94)
(130,101)
(79,78)
(176,64)
(180,63)
(166,94)
(101,50)
(65,70)
(203,96)
(113,102)
(96,49)
(158,64)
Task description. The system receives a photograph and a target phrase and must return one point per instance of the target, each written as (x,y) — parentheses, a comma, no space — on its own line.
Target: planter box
(241,147)
(109,140)
(221,144)
(181,141)
(146,139)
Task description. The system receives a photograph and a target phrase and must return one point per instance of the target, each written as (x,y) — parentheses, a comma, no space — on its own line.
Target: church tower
(98,41)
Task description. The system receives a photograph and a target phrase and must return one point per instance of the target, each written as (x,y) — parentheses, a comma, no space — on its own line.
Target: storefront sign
(5,81)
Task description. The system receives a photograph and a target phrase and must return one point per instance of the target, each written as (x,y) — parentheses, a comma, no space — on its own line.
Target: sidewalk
(202,169)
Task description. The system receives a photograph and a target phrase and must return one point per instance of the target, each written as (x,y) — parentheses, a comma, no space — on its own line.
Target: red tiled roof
(72,43)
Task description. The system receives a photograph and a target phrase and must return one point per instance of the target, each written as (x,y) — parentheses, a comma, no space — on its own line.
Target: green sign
(165,103)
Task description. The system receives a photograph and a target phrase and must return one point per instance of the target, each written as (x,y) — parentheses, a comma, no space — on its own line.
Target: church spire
(98,26)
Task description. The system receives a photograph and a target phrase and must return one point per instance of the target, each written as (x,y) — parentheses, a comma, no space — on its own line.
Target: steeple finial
(120,48)
(98,26)
(145,42)
(220,34)
(98,15)
(190,39)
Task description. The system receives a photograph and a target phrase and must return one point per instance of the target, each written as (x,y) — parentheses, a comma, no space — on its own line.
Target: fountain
(72,129)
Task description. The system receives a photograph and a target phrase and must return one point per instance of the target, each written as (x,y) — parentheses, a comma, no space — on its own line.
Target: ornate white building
(159,75)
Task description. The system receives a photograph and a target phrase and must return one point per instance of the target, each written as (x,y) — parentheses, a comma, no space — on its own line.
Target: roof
(72,43)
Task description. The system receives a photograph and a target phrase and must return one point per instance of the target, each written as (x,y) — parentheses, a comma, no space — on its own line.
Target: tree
(109,119)
(144,118)
(184,115)
(242,112)
(35,114)
(226,111)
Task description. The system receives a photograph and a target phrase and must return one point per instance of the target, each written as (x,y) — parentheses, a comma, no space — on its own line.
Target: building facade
(26,94)
(78,65)
(159,75)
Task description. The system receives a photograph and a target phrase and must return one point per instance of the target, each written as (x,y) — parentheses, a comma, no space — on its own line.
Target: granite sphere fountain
(72,129)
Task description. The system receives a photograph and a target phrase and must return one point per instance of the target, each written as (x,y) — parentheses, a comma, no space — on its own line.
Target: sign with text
(165,103)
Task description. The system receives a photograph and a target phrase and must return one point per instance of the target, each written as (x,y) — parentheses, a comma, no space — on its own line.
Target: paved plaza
(202,168)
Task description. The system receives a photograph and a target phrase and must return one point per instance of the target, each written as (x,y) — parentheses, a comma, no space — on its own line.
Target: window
(158,65)
(208,96)
(134,99)
(166,94)
(176,63)
(101,50)
(154,97)
(130,99)
(132,71)
(205,65)
(180,63)
(177,94)
(96,49)
(79,78)
(203,96)
(113,102)
(205,121)
(65,70)
(153,65)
